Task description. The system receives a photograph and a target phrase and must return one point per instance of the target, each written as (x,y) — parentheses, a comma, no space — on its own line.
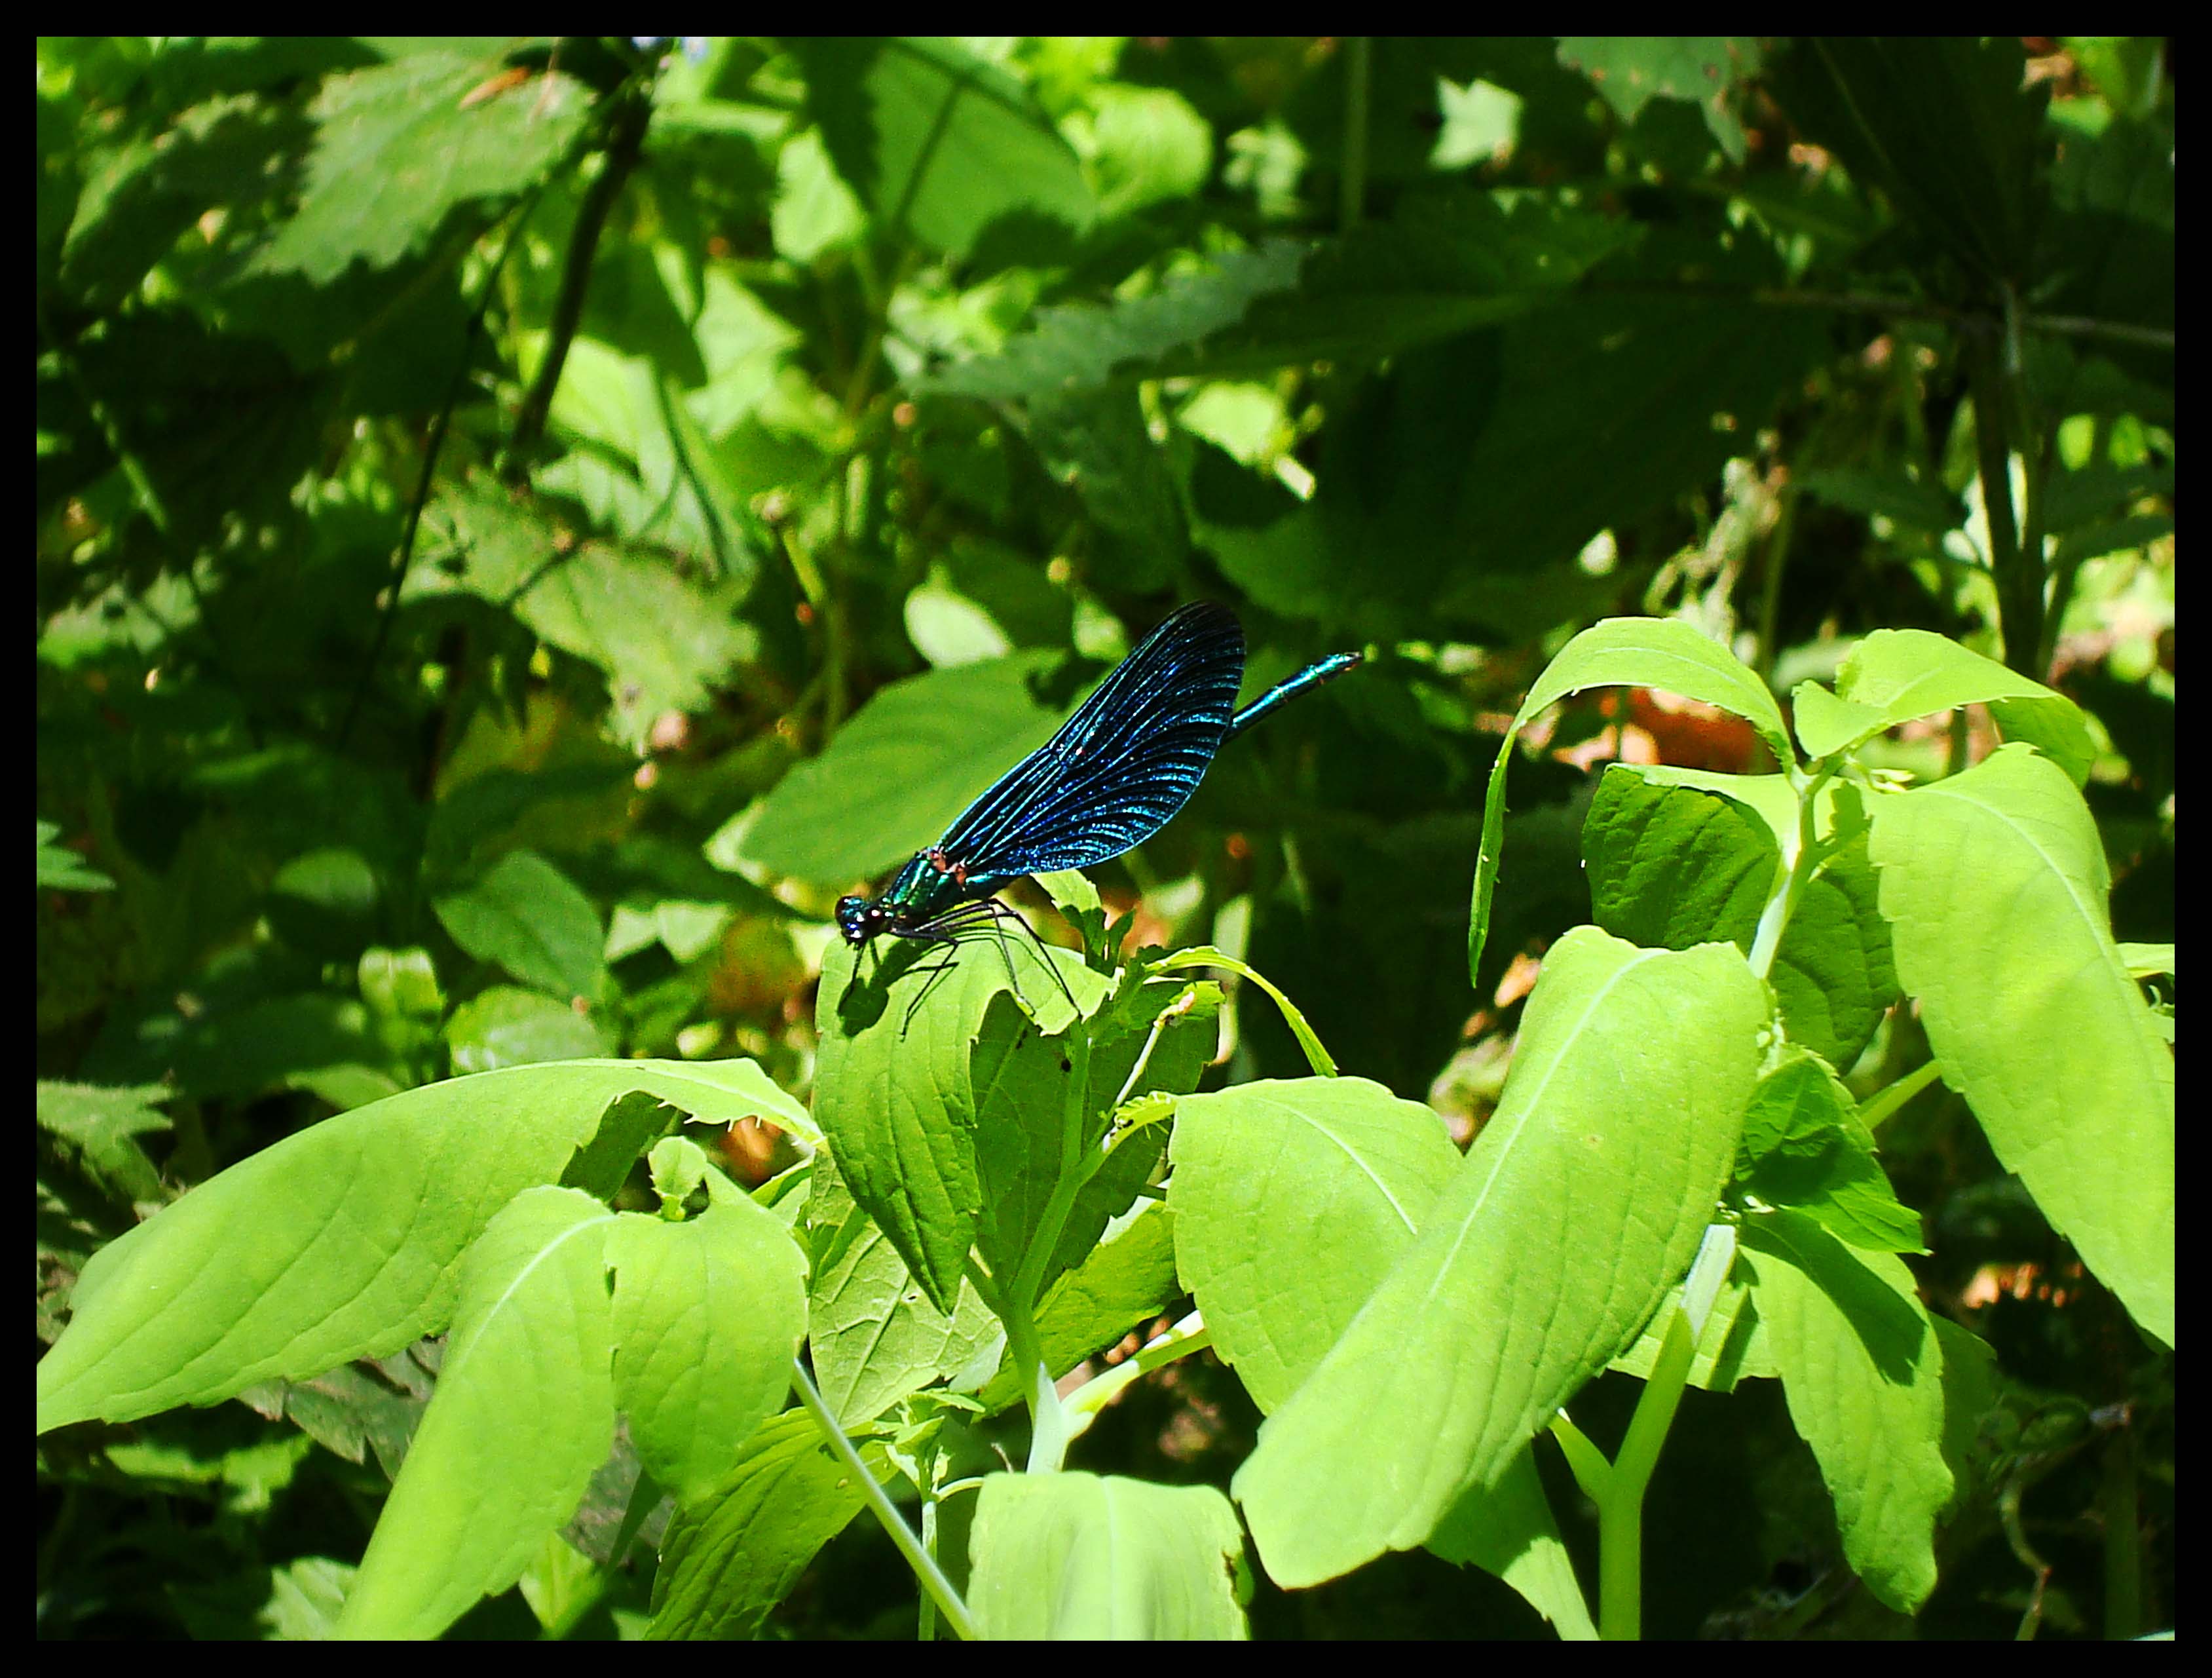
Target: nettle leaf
(1078,347)
(1579,1206)
(1078,1555)
(98,1129)
(733,1555)
(1862,1368)
(1629,71)
(399,145)
(345,1240)
(1451,264)
(524,1412)
(938,144)
(663,641)
(1995,886)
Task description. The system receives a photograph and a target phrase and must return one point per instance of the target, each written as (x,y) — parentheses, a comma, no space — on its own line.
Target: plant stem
(887,1516)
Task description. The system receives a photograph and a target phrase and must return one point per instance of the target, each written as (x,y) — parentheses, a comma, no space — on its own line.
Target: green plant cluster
(525,525)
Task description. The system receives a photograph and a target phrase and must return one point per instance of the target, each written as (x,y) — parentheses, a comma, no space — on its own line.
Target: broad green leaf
(892,1089)
(1021,1084)
(915,756)
(1078,1555)
(1804,1148)
(1834,975)
(937,144)
(1507,1529)
(1581,1203)
(1994,883)
(346,1240)
(528,919)
(524,1412)
(1670,866)
(398,146)
(708,1313)
(731,1557)
(873,1335)
(1897,675)
(1643,652)
(1292,1199)
(1658,653)
(1862,1368)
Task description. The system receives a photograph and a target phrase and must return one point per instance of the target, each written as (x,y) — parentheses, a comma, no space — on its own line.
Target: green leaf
(523,1414)
(1629,70)
(1897,675)
(663,642)
(524,916)
(503,1026)
(1948,127)
(345,1240)
(398,146)
(98,1128)
(735,1555)
(873,1335)
(1507,1529)
(1670,866)
(1642,652)
(1994,883)
(1581,1203)
(1292,1199)
(1127,1279)
(61,869)
(1804,1148)
(1084,346)
(916,755)
(1078,1555)
(937,144)
(893,1090)
(731,1557)
(1862,1367)
(708,1313)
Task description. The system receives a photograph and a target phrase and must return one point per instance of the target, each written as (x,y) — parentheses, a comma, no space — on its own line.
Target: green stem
(624,145)
(2019,574)
(1351,185)
(2116,1506)
(1797,873)
(887,1516)
(1020,1317)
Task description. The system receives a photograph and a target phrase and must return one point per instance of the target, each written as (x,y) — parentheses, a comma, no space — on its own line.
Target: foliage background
(524,525)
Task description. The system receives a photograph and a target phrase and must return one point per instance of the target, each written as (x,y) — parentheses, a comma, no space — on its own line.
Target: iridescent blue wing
(1120,768)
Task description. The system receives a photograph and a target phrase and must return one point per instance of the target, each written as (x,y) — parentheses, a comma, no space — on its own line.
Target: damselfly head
(858,920)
